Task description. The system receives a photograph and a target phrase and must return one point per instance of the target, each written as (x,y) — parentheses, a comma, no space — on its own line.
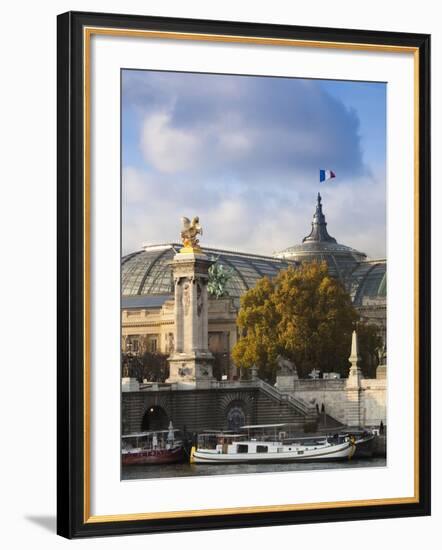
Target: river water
(184,470)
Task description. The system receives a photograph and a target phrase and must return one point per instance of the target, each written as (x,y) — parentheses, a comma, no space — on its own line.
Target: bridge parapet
(270,390)
(200,409)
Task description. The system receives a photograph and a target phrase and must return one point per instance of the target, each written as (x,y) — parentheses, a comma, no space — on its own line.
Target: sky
(244,153)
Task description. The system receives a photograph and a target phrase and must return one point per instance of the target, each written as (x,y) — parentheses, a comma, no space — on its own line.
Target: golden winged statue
(189,234)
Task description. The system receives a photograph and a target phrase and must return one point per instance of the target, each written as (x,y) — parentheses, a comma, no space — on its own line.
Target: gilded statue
(189,233)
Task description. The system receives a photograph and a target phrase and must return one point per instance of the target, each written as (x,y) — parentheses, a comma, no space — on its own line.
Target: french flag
(325,175)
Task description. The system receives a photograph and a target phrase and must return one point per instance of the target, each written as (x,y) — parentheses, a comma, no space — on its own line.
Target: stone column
(191,361)
(233,369)
(178,314)
(353,385)
(381,371)
(205,315)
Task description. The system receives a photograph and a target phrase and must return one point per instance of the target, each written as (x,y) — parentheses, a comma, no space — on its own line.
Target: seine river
(185,469)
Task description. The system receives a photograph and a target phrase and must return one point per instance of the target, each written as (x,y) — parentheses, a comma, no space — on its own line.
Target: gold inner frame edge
(87,34)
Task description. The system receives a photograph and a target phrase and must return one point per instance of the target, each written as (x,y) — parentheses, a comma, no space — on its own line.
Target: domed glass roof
(149,271)
(320,246)
(368,283)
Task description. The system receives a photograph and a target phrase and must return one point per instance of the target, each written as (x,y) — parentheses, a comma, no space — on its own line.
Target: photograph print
(253,274)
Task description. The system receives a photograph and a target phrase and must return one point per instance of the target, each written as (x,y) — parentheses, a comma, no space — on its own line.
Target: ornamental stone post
(353,385)
(191,361)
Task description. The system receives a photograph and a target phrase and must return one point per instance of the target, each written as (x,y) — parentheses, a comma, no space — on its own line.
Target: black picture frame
(72,513)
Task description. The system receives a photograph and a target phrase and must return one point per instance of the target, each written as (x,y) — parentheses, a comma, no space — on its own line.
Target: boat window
(261,448)
(242,449)
(300,452)
(207,441)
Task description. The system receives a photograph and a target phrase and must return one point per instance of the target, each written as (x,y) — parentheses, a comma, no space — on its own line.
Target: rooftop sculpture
(189,233)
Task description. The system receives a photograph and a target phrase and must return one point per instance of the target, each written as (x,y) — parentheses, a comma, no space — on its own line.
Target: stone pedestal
(191,361)
(286,375)
(129,384)
(381,372)
(286,383)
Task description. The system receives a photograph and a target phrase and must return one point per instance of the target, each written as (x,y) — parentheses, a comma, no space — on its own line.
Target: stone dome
(320,246)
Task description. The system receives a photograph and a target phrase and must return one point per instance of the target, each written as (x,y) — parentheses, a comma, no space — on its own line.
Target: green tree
(154,367)
(370,343)
(303,314)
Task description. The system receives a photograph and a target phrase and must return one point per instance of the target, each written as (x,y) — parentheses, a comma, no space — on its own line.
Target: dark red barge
(157,447)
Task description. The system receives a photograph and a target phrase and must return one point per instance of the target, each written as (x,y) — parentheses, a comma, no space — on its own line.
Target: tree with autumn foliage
(303,314)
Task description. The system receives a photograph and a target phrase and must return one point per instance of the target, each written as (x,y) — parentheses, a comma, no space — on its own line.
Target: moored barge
(233,448)
(155,447)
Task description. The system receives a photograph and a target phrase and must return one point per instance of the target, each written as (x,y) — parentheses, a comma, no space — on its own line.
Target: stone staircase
(327,422)
(300,407)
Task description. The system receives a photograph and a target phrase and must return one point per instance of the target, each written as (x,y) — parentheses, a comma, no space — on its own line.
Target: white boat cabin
(234,444)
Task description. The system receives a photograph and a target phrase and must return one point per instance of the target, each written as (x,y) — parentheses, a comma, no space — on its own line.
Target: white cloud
(255,220)
(244,155)
(166,148)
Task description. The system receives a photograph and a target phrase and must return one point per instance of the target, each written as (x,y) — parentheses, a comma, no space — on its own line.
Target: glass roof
(369,282)
(341,260)
(148,272)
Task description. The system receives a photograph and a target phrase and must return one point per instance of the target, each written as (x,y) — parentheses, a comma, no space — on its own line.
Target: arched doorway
(236,416)
(155,418)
